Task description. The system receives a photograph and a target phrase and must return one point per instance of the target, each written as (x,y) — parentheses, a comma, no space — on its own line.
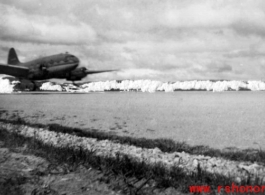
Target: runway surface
(227,119)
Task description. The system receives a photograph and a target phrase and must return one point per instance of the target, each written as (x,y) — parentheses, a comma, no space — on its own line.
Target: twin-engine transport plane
(59,66)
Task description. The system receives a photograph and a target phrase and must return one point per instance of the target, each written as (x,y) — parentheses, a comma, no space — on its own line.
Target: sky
(167,40)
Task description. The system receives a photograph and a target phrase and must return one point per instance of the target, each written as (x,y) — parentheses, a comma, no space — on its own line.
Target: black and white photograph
(137,97)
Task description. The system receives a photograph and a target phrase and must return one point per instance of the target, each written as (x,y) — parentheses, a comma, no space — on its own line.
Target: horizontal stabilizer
(98,71)
(16,71)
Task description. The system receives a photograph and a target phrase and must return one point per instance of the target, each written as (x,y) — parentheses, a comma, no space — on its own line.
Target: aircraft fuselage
(55,66)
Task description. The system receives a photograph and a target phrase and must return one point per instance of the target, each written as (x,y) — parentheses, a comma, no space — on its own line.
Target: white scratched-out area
(218,120)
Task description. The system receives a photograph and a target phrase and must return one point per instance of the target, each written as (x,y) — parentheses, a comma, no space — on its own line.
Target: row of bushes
(165,145)
(118,165)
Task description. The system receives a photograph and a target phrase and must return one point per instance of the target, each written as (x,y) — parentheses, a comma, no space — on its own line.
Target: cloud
(171,39)
(19,26)
(247,53)
(4,48)
(138,73)
(238,15)
(219,68)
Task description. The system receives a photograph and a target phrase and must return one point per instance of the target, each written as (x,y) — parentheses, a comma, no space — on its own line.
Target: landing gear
(34,86)
(74,84)
(43,68)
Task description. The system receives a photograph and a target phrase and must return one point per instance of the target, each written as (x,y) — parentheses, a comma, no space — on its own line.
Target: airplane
(59,66)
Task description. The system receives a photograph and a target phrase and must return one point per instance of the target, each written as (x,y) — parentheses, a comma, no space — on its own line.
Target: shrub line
(190,164)
(119,164)
(165,145)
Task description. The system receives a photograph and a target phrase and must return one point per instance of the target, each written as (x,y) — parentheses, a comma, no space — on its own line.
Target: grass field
(218,120)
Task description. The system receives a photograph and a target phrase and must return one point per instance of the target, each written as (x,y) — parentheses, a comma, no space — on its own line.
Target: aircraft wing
(16,71)
(98,71)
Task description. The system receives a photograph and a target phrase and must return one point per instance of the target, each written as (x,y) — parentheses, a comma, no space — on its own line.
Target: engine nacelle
(77,74)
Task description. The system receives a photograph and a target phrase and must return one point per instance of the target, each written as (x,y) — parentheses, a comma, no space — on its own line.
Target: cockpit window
(70,58)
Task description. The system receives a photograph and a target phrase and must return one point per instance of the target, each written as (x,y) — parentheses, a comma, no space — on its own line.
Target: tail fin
(12,57)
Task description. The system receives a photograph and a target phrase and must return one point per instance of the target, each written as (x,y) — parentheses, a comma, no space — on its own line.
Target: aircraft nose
(76,59)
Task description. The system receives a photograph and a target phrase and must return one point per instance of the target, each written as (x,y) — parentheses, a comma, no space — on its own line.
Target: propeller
(82,72)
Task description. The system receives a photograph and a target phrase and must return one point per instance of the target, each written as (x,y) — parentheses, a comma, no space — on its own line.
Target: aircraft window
(69,58)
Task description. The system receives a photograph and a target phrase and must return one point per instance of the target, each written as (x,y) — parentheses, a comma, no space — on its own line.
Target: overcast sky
(165,40)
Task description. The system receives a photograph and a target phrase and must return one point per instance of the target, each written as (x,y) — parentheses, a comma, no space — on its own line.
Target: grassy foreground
(165,145)
(131,171)
(139,178)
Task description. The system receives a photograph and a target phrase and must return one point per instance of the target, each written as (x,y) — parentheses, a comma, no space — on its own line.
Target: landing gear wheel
(74,84)
(43,68)
(34,86)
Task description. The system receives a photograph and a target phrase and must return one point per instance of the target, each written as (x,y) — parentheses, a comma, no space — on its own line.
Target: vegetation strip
(190,164)
(165,145)
(119,165)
